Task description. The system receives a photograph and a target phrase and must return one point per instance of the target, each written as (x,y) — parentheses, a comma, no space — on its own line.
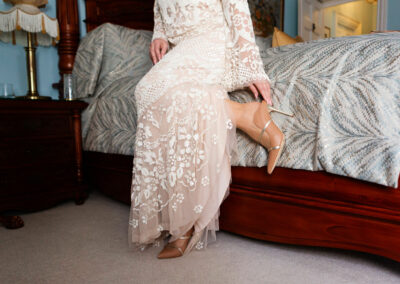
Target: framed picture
(266,14)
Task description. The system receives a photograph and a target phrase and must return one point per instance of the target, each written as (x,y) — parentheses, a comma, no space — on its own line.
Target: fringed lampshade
(26,25)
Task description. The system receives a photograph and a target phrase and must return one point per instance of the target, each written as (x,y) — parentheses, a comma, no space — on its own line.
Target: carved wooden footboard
(290,206)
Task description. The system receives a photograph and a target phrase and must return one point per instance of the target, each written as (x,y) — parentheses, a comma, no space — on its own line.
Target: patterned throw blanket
(344,92)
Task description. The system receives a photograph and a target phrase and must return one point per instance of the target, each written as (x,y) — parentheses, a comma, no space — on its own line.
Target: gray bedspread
(345,93)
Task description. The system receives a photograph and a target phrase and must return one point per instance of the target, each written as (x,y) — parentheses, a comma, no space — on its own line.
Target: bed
(300,207)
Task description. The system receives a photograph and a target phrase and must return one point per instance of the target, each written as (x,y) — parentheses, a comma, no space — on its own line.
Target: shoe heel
(271,109)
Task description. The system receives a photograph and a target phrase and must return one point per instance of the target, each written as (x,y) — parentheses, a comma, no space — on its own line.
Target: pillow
(263,42)
(108,53)
(280,38)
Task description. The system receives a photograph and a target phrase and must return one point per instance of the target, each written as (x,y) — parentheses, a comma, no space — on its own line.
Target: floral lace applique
(198,209)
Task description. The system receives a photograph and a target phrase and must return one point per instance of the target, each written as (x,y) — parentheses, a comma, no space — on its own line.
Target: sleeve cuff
(159,36)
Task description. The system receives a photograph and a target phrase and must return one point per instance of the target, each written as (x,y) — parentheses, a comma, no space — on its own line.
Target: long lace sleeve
(158,31)
(246,64)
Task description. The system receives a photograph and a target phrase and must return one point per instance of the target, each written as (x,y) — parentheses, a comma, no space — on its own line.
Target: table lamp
(26,25)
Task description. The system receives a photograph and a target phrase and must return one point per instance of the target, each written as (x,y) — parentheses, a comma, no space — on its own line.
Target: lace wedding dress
(185,135)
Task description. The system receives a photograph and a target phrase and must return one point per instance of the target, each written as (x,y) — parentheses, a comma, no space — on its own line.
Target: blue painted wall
(82,16)
(13,59)
(393,15)
(290,18)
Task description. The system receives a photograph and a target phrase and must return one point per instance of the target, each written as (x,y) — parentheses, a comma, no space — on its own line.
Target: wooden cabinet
(40,154)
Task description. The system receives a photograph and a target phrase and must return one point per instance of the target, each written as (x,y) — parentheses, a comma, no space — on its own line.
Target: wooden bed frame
(290,206)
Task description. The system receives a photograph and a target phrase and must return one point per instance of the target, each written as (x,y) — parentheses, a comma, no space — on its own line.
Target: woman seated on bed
(186,123)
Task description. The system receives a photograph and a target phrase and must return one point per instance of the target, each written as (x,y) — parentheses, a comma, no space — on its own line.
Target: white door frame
(381,21)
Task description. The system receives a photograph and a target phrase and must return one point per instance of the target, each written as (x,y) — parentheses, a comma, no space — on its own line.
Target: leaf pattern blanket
(344,92)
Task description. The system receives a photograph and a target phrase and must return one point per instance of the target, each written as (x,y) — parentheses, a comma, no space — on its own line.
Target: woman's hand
(158,48)
(263,88)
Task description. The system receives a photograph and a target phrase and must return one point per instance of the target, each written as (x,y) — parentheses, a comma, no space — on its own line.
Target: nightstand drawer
(36,152)
(36,179)
(43,125)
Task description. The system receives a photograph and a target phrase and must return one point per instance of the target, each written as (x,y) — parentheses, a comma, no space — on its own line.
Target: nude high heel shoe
(172,250)
(274,152)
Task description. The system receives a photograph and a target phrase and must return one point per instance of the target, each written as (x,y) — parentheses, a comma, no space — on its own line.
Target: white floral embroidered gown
(185,136)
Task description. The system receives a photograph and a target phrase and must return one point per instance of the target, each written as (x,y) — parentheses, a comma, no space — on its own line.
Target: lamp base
(33,98)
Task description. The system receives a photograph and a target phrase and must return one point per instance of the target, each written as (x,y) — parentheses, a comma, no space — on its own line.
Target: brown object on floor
(290,206)
(12,222)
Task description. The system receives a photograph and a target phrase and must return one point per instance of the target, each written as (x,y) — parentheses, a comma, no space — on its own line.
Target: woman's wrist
(158,36)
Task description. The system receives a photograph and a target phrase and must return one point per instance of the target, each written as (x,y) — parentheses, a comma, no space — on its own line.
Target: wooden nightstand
(40,154)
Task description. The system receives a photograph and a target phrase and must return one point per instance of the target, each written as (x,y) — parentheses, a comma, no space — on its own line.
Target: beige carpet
(88,244)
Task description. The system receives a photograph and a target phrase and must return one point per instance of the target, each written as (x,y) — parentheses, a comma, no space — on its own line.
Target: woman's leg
(251,118)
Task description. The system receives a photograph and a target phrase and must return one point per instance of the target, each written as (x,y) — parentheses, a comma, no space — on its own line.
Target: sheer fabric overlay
(185,136)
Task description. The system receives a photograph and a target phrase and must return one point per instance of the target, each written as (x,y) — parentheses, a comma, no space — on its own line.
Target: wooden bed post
(68,18)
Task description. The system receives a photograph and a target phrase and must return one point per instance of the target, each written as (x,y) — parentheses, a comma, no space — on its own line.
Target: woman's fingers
(268,93)
(265,90)
(157,47)
(153,53)
(164,49)
(254,90)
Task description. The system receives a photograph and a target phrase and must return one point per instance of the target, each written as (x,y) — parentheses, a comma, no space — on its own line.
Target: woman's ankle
(246,114)
(261,116)
(235,110)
